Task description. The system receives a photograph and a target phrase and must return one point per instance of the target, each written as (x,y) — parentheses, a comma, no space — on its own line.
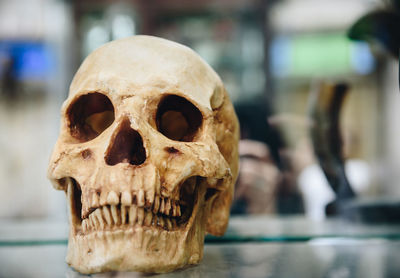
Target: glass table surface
(256,246)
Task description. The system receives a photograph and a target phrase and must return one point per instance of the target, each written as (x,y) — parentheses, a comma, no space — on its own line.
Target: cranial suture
(147,155)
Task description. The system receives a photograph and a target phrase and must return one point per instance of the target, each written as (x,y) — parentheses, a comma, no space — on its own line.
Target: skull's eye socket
(178,119)
(89,116)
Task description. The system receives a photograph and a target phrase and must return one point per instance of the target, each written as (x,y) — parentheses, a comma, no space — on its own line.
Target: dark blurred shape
(325,107)
(253,117)
(8,79)
(382,26)
(396,4)
(374,211)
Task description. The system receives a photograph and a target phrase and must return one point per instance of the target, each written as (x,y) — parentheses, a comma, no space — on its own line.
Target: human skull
(147,155)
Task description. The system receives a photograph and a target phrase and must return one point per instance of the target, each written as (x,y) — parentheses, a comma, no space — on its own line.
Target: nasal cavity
(126,146)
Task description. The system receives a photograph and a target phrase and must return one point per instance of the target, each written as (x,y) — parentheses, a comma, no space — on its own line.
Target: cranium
(147,155)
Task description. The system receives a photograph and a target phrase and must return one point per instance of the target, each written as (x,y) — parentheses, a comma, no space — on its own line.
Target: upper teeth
(112,198)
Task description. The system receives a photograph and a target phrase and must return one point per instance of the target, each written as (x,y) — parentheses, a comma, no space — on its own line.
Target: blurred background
(272,56)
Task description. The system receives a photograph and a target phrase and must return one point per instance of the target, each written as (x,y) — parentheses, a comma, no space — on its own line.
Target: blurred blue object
(31,60)
(280,56)
(362,60)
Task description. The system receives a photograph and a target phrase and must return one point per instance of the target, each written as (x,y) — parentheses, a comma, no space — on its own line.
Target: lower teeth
(117,216)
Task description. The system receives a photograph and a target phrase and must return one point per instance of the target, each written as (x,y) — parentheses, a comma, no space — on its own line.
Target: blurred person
(255,191)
